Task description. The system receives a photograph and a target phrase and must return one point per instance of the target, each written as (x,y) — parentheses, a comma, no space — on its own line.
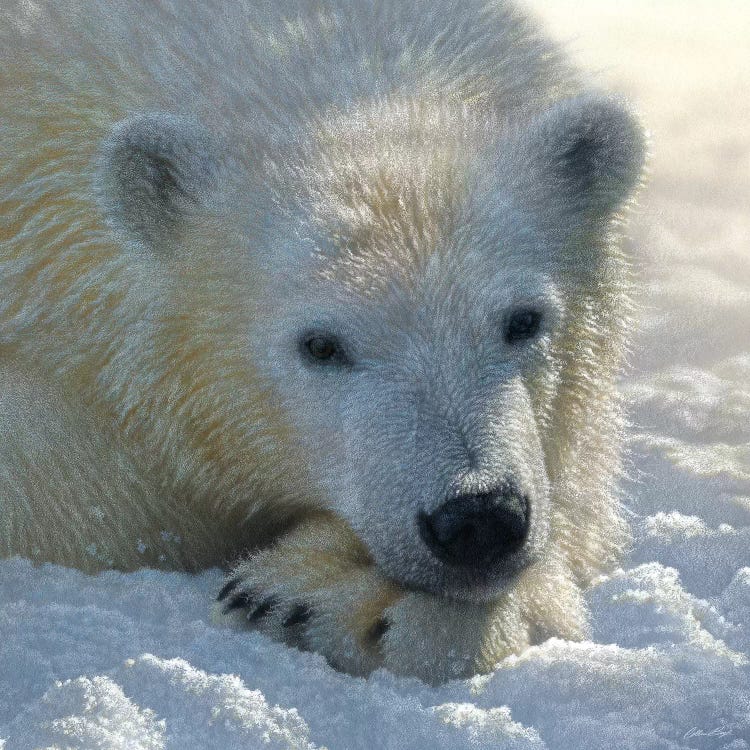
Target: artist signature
(721,731)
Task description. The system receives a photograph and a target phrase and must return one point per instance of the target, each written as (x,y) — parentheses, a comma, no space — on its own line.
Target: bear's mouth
(481,578)
(470,584)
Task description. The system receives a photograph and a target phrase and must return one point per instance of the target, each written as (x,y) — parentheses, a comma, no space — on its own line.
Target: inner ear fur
(153,169)
(589,151)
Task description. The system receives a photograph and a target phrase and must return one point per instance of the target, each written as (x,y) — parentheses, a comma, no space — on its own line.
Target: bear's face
(409,284)
(421,410)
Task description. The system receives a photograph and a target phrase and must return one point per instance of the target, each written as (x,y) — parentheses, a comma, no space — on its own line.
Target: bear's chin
(471,585)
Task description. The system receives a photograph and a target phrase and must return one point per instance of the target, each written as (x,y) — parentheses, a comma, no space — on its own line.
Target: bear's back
(255,72)
(263,64)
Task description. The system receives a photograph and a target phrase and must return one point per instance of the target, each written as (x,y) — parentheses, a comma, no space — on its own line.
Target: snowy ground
(130,661)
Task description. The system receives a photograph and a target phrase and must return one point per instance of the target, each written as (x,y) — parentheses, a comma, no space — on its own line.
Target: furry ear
(590,151)
(154,169)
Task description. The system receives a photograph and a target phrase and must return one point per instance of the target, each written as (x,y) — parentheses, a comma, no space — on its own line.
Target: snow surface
(131,661)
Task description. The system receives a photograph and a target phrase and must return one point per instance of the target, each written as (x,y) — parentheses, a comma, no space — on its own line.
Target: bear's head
(432,303)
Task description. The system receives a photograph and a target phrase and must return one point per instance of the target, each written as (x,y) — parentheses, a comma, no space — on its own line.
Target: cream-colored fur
(147,413)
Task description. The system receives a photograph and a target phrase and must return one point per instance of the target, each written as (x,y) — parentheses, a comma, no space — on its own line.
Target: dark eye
(322,348)
(522,325)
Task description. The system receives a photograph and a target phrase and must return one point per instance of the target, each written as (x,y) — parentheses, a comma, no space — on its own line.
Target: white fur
(190,186)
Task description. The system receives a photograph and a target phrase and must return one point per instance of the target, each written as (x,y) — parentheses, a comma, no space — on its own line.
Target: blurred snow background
(130,661)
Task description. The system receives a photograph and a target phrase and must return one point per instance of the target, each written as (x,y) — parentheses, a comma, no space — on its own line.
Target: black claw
(300,613)
(239,601)
(228,588)
(261,609)
(379,629)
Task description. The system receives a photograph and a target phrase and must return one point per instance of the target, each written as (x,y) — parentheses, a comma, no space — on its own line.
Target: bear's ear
(153,170)
(590,152)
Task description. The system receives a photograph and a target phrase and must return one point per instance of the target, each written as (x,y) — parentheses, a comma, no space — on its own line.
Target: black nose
(477,530)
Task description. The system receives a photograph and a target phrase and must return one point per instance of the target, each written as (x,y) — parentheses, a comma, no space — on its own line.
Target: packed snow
(132,661)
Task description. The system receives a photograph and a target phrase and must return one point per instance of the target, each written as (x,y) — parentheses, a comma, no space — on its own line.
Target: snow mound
(131,661)
(214,711)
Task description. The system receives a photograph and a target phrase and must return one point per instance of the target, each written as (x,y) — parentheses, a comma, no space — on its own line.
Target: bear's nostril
(448,528)
(477,530)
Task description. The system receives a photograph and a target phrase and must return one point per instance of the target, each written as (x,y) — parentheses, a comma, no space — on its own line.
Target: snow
(132,661)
